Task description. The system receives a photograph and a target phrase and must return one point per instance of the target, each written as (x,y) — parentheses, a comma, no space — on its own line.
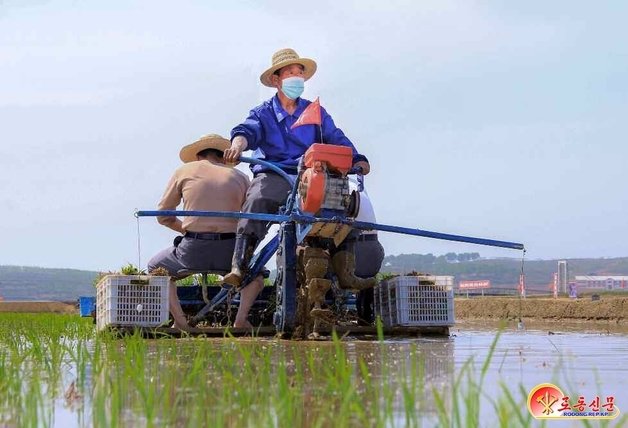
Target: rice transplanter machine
(315,222)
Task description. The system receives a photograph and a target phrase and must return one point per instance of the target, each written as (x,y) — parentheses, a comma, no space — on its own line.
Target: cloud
(479,118)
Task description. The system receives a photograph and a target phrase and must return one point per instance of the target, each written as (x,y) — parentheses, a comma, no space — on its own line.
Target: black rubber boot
(242,254)
(364,306)
(343,263)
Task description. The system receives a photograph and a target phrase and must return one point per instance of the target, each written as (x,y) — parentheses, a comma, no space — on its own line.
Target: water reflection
(319,379)
(232,382)
(588,364)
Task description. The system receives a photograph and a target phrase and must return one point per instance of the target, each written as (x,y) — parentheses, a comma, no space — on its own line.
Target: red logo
(547,401)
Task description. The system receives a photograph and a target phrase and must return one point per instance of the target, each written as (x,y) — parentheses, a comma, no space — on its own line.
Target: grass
(49,362)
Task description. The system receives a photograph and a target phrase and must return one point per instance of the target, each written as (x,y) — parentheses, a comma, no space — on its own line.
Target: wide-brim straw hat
(283,58)
(210,141)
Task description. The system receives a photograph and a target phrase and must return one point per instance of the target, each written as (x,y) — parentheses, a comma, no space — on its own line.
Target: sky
(495,119)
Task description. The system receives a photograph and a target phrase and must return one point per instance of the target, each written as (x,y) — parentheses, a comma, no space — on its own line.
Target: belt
(208,236)
(367,237)
(363,237)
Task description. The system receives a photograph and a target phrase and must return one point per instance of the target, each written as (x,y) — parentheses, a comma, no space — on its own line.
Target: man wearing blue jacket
(267,130)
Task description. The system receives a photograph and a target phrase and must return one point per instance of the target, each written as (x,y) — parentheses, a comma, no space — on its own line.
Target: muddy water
(581,359)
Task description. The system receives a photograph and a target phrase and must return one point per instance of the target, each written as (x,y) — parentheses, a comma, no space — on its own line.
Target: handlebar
(360,177)
(356,170)
(270,166)
(291,180)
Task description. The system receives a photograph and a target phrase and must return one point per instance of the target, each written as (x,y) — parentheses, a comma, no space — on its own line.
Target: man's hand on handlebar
(362,165)
(232,154)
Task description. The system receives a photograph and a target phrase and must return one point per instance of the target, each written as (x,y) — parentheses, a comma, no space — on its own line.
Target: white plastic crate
(416,301)
(132,300)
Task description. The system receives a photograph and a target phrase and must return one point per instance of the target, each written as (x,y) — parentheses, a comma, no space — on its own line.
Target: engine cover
(324,183)
(318,190)
(324,189)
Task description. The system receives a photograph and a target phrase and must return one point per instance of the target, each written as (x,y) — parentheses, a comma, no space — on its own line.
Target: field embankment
(608,308)
(34,307)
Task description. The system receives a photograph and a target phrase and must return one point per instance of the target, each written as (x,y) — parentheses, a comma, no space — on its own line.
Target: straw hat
(210,141)
(283,58)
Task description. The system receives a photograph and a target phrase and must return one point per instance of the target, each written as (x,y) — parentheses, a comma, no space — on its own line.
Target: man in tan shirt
(204,183)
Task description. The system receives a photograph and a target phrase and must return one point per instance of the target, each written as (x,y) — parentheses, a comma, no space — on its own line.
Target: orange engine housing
(338,158)
(321,160)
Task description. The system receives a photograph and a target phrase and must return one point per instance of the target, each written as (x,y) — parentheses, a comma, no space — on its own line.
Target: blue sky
(494,119)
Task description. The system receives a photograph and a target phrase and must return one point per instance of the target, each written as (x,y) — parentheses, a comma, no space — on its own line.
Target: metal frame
(292,230)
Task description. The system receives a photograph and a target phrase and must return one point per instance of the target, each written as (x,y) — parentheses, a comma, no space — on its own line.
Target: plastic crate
(415,301)
(132,300)
(87,305)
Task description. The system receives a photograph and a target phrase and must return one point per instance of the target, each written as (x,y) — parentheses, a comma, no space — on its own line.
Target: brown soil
(611,308)
(32,307)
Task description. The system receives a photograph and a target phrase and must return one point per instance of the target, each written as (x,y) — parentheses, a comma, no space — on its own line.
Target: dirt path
(610,308)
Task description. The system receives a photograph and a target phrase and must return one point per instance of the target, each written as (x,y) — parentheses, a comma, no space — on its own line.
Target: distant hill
(503,272)
(35,283)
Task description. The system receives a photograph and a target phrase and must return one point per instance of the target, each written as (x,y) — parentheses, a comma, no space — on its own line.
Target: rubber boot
(242,254)
(318,287)
(364,306)
(343,263)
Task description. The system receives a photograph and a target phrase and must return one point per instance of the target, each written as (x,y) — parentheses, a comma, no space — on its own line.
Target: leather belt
(210,236)
(363,237)
(367,237)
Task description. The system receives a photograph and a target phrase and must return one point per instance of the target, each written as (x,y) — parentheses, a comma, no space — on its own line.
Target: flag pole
(311,116)
(320,119)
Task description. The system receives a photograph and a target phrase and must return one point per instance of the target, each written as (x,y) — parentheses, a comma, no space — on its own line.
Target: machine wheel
(354,204)
(286,283)
(285,316)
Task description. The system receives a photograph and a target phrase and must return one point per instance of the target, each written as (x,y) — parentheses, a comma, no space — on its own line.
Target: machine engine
(324,186)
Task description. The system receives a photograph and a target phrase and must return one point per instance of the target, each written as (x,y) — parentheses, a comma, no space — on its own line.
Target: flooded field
(54,371)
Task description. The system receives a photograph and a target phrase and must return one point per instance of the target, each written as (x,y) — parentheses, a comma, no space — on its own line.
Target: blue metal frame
(286,312)
(309,219)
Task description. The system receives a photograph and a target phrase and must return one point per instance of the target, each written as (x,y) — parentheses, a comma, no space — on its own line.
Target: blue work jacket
(267,131)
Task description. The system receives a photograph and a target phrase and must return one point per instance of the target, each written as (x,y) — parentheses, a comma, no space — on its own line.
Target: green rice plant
(411,379)
(133,381)
(467,390)
(197,279)
(131,269)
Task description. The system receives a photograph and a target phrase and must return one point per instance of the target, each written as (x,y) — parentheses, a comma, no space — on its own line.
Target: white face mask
(292,87)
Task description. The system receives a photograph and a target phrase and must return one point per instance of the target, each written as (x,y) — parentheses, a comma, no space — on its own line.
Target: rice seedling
(49,362)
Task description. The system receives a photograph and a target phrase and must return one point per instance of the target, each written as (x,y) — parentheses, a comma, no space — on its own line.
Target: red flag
(310,116)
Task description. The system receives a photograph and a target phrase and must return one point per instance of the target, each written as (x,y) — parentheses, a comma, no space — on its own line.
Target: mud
(608,308)
(35,307)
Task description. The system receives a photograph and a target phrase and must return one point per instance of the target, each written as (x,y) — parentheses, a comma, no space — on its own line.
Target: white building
(612,282)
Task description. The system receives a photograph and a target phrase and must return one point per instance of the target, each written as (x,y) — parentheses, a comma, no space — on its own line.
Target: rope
(139,246)
(522,285)
(228,302)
